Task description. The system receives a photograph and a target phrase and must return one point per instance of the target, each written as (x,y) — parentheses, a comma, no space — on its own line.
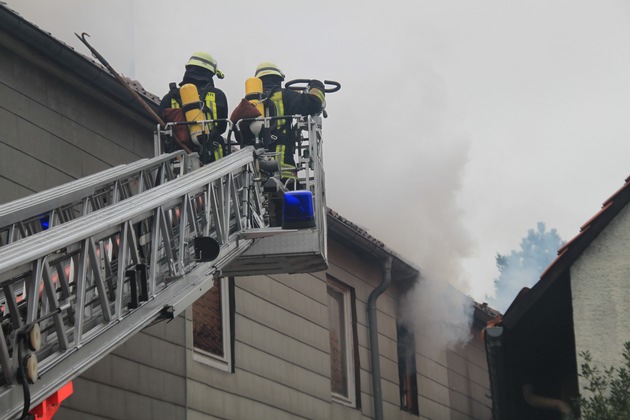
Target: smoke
(391,138)
(524,267)
(411,183)
(509,284)
(436,238)
(440,314)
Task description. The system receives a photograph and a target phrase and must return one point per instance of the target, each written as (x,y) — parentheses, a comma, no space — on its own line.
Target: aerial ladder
(104,269)
(37,212)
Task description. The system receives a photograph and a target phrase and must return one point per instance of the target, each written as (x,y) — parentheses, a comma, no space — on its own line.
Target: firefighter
(281,101)
(200,71)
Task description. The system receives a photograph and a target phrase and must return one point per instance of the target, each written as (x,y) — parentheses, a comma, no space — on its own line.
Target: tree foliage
(607,395)
(523,268)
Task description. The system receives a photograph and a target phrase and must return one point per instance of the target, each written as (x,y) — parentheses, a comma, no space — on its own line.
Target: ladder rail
(23,217)
(96,280)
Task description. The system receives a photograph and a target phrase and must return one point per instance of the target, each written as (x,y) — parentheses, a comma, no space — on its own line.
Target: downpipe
(386,280)
(546,403)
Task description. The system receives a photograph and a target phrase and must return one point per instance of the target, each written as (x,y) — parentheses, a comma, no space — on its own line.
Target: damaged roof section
(37,43)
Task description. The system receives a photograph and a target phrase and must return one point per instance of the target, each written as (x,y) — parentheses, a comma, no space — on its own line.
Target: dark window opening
(407,370)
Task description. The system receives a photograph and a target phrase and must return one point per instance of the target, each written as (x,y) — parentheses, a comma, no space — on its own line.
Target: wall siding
(144,378)
(282,362)
(469,384)
(601,296)
(55,131)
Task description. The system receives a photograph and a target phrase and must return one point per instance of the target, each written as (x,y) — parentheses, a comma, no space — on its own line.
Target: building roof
(403,271)
(567,254)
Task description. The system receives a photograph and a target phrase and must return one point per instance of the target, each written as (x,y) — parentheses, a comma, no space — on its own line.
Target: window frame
(225,362)
(407,350)
(351,344)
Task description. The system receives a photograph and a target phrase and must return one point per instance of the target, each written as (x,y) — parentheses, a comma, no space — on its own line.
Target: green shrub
(608,396)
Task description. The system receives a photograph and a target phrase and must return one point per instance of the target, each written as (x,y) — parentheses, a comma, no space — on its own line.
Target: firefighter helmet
(206,61)
(267,68)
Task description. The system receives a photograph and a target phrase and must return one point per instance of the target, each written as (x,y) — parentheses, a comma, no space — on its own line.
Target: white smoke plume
(420,167)
(435,237)
(440,315)
(523,267)
(391,136)
(523,92)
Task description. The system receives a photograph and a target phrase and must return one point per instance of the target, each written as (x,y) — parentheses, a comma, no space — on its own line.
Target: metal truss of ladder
(93,282)
(32,214)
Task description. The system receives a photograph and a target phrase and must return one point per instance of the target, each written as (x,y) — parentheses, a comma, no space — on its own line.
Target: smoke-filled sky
(460,123)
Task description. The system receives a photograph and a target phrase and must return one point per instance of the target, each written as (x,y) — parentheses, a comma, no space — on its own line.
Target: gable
(600,280)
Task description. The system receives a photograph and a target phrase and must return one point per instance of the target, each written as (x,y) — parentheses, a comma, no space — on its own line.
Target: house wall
(600,280)
(453,383)
(55,128)
(468,380)
(142,379)
(282,355)
(282,361)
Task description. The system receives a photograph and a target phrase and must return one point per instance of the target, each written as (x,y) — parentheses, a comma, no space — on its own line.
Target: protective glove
(316,88)
(316,84)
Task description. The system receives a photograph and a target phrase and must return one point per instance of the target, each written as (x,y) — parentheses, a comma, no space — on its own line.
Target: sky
(460,124)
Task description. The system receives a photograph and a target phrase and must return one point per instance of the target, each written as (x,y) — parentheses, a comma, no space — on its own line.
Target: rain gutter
(495,355)
(386,280)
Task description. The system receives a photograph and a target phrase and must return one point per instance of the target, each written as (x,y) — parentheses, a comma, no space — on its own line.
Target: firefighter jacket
(291,102)
(281,102)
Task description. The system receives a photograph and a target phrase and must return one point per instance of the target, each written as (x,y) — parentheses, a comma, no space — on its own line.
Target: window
(344,364)
(407,370)
(213,320)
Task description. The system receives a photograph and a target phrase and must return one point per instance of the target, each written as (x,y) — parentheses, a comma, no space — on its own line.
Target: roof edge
(569,253)
(67,58)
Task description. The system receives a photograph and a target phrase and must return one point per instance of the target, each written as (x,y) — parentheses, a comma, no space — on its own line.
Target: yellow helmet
(267,68)
(206,61)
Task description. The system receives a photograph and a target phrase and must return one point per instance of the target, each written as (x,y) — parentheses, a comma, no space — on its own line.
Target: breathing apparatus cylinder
(254,94)
(193,109)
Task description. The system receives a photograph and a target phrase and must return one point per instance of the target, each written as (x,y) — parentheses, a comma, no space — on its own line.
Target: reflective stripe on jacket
(278,103)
